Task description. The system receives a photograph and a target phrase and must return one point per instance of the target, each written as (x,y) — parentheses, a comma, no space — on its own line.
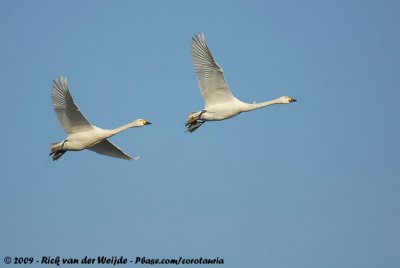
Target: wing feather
(210,75)
(105,147)
(68,114)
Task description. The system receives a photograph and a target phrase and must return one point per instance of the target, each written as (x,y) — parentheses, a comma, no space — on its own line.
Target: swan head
(286,99)
(141,122)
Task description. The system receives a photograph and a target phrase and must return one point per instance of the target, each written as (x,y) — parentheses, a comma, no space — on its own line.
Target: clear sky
(310,184)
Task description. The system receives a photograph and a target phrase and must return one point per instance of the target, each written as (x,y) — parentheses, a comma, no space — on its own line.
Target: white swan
(220,104)
(81,134)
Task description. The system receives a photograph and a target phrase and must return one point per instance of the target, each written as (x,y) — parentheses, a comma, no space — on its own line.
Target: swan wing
(210,75)
(105,147)
(69,115)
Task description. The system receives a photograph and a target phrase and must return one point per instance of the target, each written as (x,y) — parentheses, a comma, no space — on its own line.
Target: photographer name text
(114,260)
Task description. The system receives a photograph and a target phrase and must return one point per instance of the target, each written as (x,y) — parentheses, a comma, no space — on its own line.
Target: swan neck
(254,106)
(117,130)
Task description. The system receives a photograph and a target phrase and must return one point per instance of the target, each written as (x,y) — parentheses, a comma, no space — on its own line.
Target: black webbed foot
(194,125)
(58,154)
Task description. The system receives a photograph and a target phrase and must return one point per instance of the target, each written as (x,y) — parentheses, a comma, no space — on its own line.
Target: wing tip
(60,81)
(199,37)
(129,158)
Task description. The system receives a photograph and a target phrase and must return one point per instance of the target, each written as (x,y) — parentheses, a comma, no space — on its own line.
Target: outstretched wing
(107,148)
(210,75)
(69,115)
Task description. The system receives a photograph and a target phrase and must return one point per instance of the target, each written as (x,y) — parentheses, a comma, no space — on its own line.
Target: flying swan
(220,104)
(81,134)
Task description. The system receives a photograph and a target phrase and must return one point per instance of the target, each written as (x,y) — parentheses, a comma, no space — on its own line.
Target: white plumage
(81,134)
(219,102)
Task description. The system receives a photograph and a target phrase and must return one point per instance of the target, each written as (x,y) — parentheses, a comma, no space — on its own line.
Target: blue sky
(311,184)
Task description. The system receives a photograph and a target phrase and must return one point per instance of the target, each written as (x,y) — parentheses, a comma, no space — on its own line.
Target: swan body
(80,133)
(220,104)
